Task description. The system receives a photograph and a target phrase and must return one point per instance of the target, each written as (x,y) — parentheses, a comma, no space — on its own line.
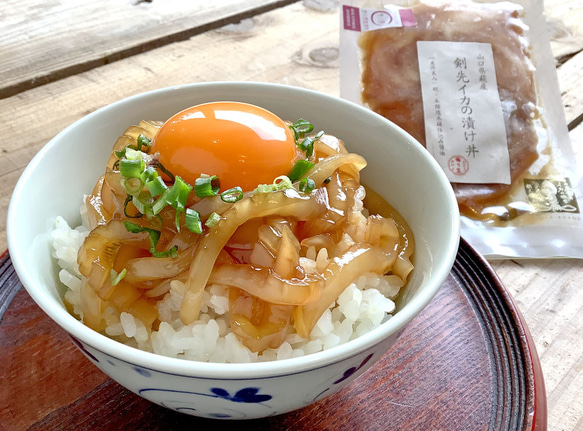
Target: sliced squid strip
(211,204)
(288,255)
(156,268)
(103,242)
(92,307)
(258,324)
(261,300)
(164,286)
(326,167)
(130,137)
(342,271)
(96,212)
(267,285)
(287,203)
(328,145)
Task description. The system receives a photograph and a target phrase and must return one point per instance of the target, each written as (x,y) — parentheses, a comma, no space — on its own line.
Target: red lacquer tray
(466,363)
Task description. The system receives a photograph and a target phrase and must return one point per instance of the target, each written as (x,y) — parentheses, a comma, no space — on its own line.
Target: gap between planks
(139,48)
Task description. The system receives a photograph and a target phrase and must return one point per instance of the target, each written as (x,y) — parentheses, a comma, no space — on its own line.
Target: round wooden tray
(466,363)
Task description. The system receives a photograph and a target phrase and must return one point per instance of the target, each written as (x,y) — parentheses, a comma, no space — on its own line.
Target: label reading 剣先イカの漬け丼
(464,123)
(365,19)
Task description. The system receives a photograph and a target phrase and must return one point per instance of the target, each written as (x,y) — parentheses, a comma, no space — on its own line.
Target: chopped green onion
(171,252)
(301,127)
(232,195)
(132,185)
(212,220)
(175,196)
(301,168)
(206,185)
(141,205)
(134,228)
(125,208)
(149,174)
(192,219)
(115,277)
(154,238)
(307,145)
(147,199)
(177,219)
(144,141)
(178,194)
(157,186)
(132,154)
(264,188)
(280,183)
(160,204)
(131,168)
(169,174)
(307,185)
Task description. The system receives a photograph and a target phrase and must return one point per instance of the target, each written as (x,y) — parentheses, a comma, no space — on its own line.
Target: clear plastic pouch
(475,84)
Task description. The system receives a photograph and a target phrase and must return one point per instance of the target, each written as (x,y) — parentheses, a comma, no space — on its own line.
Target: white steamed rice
(363,306)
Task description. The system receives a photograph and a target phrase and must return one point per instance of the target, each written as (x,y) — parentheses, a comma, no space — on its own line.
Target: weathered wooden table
(61,59)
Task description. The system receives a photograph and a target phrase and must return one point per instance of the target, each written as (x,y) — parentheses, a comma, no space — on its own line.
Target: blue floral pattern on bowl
(234,399)
(346,375)
(349,372)
(189,401)
(245,395)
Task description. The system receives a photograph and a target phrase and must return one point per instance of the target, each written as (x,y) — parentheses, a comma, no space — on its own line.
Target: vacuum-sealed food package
(473,84)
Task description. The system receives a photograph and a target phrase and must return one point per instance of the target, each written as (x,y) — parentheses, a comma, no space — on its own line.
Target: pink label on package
(364,19)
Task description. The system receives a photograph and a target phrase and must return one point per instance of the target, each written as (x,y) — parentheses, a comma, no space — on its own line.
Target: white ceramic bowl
(399,168)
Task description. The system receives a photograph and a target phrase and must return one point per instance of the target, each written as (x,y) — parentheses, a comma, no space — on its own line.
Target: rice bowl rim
(233,371)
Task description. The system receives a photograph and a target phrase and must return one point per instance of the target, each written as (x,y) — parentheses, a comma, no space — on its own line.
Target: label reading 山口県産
(464,124)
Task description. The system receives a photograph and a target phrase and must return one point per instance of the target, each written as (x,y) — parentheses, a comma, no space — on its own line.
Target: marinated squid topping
(228,194)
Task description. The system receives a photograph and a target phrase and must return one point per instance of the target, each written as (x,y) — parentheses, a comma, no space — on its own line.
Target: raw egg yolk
(243,145)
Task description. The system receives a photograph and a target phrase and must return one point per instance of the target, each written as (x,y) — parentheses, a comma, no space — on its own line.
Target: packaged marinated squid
(474,84)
